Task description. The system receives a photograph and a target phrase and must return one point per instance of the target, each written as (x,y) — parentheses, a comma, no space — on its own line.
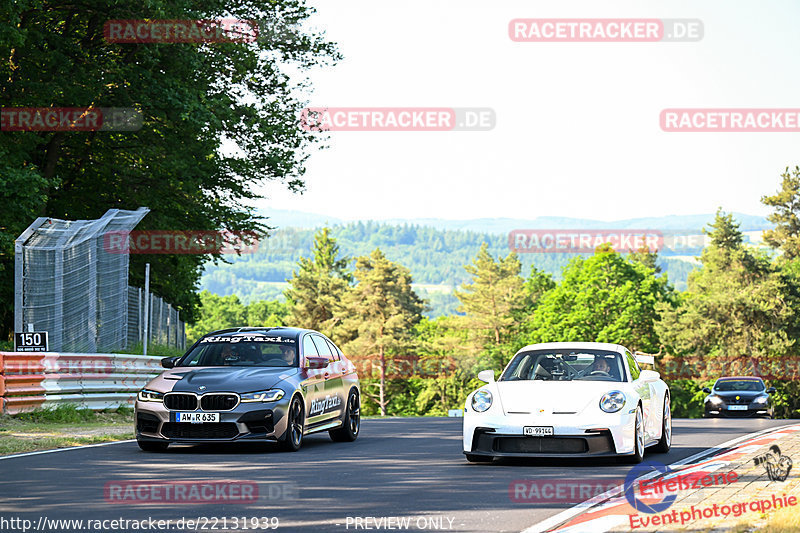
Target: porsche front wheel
(638,439)
(665,442)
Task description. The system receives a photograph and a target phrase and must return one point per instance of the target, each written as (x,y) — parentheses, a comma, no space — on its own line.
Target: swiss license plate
(197,418)
(537,431)
(737,408)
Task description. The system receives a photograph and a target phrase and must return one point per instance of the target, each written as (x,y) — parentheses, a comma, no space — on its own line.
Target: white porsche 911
(569,399)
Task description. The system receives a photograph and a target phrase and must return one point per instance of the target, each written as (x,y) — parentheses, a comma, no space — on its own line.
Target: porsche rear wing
(645,358)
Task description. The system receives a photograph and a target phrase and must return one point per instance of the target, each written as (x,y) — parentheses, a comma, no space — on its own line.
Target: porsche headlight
(715,399)
(761,399)
(611,402)
(271,395)
(147,395)
(481,400)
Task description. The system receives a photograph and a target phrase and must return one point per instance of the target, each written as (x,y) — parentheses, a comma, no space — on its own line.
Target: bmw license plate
(737,408)
(197,418)
(537,431)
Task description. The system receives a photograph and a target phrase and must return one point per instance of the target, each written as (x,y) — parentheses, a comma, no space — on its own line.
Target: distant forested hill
(435,257)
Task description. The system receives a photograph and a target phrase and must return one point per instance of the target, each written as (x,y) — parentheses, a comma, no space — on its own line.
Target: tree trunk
(382,402)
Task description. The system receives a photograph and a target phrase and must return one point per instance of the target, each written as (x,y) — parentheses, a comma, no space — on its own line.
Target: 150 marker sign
(30,342)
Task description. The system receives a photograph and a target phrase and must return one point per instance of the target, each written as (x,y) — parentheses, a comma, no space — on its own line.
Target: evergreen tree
(378,315)
(317,287)
(786,234)
(496,291)
(736,305)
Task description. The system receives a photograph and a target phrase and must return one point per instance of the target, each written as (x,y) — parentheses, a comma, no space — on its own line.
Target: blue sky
(577,129)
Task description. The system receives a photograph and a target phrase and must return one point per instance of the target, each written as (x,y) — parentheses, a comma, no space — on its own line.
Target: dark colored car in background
(738,397)
(251,384)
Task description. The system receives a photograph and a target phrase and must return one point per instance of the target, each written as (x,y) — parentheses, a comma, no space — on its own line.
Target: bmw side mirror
(770,390)
(169,362)
(316,363)
(487,376)
(706,390)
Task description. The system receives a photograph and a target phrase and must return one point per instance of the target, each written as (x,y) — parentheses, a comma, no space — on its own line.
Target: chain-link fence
(166,327)
(68,285)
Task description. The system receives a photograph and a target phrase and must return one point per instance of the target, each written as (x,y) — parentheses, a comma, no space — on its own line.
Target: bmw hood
(221,379)
(551,397)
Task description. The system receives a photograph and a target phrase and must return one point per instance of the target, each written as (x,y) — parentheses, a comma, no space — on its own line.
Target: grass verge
(62,427)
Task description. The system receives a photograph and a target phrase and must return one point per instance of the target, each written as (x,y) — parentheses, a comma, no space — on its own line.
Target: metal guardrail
(94,381)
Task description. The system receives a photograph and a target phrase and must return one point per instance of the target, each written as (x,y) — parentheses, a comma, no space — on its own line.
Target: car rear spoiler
(647,358)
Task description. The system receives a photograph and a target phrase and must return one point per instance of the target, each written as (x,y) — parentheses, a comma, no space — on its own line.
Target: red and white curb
(611,509)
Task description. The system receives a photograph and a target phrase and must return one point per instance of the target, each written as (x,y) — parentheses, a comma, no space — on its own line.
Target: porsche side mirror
(315,363)
(649,375)
(169,362)
(770,390)
(706,390)
(487,376)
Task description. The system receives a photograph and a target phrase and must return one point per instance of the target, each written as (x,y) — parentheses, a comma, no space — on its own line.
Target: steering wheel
(600,373)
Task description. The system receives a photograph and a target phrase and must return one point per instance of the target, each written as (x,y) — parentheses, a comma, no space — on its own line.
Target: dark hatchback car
(251,384)
(738,397)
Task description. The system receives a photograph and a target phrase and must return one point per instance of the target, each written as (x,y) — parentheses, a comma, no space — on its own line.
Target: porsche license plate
(537,431)
(197,418)
(737,408)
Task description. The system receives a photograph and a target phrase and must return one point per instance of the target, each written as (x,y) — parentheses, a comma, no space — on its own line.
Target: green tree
(604,298)
(216,312)
(495,292)
(193,98)
(267,313)
(318,286)
(378,315)
(738,303)
(786,234)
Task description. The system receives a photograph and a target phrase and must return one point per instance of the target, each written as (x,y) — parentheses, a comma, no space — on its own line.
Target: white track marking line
(566,514)
(40,452)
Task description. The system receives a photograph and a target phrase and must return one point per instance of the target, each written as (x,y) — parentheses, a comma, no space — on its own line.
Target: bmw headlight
(611,402)
(147,395)
(481,400)
(761,399)
(271,395)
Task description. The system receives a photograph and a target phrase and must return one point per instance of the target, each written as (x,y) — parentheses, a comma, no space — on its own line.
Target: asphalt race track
(399,467)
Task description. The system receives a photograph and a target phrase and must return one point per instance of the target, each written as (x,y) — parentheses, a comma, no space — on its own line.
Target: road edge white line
(80,447)
(566,514)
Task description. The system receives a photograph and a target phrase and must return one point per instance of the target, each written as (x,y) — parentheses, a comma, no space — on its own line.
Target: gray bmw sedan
(251,384)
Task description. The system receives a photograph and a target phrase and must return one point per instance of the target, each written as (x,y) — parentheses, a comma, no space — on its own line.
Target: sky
(577,124)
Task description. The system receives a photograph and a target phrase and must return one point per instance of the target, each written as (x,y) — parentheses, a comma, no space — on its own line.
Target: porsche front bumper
(574,435)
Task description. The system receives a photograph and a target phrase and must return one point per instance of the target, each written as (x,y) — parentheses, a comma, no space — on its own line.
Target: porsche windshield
(547,365)
(742,385)
(242,351)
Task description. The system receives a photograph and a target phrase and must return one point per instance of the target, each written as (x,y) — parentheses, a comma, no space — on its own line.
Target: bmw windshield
(249,350)
(741,385)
